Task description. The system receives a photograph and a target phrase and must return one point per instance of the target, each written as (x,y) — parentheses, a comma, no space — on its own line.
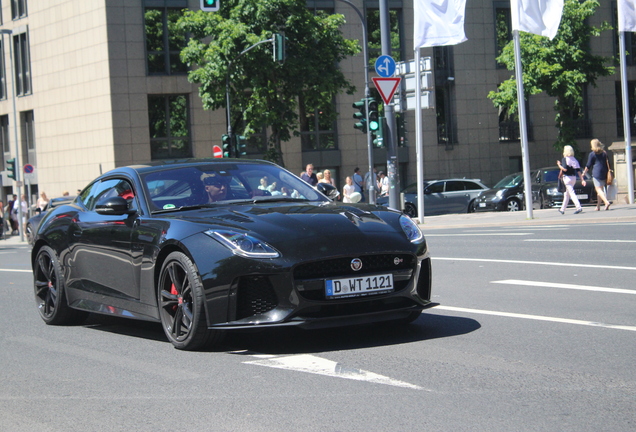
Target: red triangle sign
(386,87)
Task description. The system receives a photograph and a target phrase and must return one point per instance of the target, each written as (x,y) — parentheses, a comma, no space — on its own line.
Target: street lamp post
(15,131)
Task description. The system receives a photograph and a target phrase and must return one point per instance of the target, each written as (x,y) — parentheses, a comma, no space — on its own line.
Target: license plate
(360,286)
(581,196)
(482,204)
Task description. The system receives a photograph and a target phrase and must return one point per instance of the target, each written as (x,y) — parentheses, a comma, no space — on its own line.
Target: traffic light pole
(15,131)
(367,94)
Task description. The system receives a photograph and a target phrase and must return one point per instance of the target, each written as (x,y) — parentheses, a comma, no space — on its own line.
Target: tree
(266,94)
(561,67)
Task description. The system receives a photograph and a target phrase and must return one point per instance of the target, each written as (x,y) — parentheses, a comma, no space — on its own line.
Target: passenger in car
(216,187)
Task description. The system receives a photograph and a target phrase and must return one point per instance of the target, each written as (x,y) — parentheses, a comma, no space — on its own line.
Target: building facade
(99,84)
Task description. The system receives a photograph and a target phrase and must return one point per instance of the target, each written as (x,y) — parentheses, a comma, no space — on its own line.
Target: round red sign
(217,151)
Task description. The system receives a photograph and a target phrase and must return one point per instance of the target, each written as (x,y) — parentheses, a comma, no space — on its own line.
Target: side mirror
(114,206)
(327,189)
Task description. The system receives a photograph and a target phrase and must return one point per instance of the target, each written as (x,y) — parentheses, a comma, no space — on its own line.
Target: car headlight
(552,191)
(500,193)
(412,231)
(243,244)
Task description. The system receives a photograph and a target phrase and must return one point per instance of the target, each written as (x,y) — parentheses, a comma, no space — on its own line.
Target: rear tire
(182,305)
(410,210)
(50,294)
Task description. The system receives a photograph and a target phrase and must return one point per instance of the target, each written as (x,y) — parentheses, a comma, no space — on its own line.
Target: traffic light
(278,43)
(361,115)
(378,141)
(210,5)
(11,168)
(227,146)
(241,146)
(374,120)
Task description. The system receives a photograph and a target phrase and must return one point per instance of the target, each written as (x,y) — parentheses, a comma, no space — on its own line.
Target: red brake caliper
(173,291)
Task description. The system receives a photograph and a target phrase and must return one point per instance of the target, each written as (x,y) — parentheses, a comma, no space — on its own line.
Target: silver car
(442,196)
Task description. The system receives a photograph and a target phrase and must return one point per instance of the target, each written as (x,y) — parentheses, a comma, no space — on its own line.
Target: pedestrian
(321,177)
(328,179)
(12,209)
(43,201)
(570,167)
(371,181)
(347,190)
(1,219)
(598,163)
(309,175)
(357,183)
(383,184)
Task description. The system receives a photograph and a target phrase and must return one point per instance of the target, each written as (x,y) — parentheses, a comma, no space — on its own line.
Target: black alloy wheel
(50,296)
(410,210)
(471,206)
(181,304)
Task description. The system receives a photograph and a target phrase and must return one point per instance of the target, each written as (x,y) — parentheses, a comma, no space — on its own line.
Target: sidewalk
(617,213)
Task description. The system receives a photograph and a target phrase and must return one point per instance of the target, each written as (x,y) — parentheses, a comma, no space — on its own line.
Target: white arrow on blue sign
(385,66)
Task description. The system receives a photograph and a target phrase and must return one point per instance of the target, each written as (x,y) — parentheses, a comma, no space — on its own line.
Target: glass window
(444,95)
(454,186)
(3,72)
(374,35)
(503,28)
(18,9)
(22,64)
(631,96)
(107,189)
(468,185)
(169,124)
(317,131)
(4,133)
(163,44)
(437,187)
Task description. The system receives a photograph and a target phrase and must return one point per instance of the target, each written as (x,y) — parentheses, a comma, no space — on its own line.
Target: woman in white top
(327,178)
(43,201)
(347,190)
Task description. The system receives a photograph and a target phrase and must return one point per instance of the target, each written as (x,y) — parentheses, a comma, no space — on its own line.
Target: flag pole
(522,125)
(626,116)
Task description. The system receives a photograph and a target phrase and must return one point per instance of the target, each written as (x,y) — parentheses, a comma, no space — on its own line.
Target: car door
(434,198)
(456,198)
(102,258)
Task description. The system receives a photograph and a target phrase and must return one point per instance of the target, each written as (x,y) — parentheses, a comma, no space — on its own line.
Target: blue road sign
(28,169)
(385,66)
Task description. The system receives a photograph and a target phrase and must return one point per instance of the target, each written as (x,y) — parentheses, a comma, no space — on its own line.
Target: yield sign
(386,87)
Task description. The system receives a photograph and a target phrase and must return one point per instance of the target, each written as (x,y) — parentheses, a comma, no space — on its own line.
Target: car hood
(311,226)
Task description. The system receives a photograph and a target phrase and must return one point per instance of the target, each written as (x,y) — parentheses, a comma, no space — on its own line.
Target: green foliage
(263,92)
(560,67)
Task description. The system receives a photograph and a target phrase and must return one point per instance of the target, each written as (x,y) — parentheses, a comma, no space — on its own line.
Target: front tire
(513,205)
(181,304)
(50,295)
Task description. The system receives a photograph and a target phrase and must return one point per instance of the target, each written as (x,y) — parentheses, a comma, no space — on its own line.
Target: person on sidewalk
(598,163)
(570,167)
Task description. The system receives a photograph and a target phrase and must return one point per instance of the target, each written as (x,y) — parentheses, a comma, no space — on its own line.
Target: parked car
(506,195)
(545,183)
(34,222)
(197,247)
(442,196)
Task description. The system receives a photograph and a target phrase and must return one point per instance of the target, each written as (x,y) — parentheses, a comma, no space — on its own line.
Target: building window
(509,128)
(445,95)
(3,72)
(631,95)
(28,137)
(630,40)
(22,64)
(317,131)
(169,126)
(374,35)
(503,28)
(18,9)
(163,44)
(4,134)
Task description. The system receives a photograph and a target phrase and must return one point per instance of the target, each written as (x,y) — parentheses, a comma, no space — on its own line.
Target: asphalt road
(535,331)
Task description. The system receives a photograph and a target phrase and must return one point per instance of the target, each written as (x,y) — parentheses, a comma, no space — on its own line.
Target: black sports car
(34,221)
(197,246)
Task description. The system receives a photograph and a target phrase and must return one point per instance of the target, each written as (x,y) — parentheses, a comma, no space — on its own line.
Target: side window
(454,186)
(106,189)
(471,185)
(437,187)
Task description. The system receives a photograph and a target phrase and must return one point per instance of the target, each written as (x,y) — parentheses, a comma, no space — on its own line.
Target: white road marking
(16,270)
(565,286)
(580,240)
(315,365)
(537,318)
(557,264)
(479,234)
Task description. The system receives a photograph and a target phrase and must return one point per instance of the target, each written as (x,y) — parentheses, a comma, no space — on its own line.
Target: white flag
(541,17)
(438,22)
(627,15)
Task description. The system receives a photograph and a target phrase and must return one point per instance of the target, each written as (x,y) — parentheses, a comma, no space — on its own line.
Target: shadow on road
(289,340)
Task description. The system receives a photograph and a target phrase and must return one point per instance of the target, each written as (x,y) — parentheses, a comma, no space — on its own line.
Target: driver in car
(216,186)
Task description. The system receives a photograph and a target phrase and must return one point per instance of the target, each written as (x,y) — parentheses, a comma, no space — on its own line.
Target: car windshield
(509,181)
(551,175)
(214,183)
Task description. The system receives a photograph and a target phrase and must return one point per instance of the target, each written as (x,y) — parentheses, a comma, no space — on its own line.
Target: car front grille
(309,278)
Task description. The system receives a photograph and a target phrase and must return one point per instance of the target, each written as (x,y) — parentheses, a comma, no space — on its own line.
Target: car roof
(161,165)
